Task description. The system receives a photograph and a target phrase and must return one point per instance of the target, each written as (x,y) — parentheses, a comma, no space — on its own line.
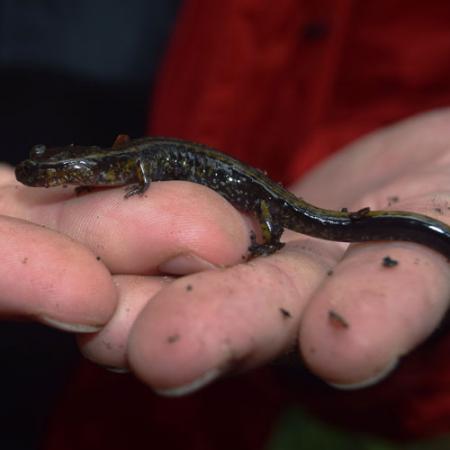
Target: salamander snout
(26,172)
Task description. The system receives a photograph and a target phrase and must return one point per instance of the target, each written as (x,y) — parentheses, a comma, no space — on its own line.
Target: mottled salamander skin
(139,162)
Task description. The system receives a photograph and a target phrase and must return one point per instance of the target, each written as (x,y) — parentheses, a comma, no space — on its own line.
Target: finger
(108,347)
(46,276)
(371,311)
(163,230)
(6,174)
(209,323)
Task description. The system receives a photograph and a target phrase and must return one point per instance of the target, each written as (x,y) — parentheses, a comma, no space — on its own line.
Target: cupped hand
(158,283)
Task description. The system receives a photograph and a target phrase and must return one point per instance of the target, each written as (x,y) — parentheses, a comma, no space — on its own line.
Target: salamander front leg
(142,178)
(271,233)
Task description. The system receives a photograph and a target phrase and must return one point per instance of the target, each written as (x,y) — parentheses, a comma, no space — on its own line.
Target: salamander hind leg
(271,233)
(143,181)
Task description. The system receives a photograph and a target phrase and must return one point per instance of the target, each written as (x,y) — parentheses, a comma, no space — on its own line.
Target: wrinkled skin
(156,284)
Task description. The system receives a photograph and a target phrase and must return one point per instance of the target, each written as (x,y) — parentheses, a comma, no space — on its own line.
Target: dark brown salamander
(141,161)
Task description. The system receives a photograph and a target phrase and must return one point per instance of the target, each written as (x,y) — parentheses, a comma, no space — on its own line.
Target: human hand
(179,333)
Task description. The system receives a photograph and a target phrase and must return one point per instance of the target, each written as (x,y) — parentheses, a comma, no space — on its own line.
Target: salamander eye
(37,151)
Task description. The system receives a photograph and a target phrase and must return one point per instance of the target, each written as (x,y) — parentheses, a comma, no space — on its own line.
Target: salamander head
(55,166)
(33,173)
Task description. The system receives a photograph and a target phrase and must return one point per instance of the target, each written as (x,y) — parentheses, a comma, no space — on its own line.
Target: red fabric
(254,79)
(102,410)
(282,85)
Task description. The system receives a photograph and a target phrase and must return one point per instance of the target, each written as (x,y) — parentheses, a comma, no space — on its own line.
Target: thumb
(48,276)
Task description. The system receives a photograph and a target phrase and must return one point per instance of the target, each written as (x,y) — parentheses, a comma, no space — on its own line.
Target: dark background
(77,71)
(70,72)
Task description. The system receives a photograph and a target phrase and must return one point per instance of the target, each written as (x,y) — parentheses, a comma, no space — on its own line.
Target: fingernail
(368,382)
(196,385)
(184,264)
(119,370)
(71,327)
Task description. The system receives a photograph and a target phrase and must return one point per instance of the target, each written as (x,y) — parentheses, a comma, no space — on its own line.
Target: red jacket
(282,85)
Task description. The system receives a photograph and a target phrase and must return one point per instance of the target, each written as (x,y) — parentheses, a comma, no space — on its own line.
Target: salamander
(139,162)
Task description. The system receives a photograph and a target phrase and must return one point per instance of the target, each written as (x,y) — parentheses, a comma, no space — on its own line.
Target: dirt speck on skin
(393,199)
(337,320)
(389,262)
(285,313)
(189,287)
(173,338)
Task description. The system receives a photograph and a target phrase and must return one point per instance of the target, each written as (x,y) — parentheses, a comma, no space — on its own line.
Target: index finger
(175,227)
